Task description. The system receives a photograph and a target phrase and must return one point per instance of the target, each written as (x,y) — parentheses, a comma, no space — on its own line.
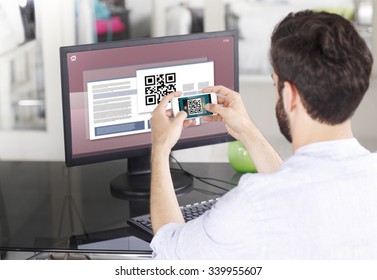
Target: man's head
(325,59)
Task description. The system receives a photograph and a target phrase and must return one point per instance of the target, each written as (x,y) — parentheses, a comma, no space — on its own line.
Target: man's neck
(312,132)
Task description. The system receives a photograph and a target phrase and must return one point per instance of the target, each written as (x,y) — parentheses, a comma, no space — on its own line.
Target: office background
(31,125)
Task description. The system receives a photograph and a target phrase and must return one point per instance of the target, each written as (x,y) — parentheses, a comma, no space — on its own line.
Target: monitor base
(137,186)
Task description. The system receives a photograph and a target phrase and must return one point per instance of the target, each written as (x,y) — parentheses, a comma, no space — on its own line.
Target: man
(319,204)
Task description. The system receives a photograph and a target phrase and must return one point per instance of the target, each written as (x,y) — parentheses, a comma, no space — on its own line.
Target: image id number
(223,270)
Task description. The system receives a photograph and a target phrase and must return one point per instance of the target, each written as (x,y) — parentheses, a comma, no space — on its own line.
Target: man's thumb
(215,108)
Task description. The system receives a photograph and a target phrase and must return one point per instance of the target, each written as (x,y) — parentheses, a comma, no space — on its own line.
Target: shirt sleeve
(167,231)
(209,236)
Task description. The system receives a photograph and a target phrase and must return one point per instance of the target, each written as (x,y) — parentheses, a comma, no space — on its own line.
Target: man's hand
(230,110)
(166,129)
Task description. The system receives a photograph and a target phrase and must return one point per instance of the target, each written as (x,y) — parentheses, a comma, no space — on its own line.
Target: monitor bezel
(135,151)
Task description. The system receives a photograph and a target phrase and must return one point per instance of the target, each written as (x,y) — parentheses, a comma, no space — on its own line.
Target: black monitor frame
(134,152)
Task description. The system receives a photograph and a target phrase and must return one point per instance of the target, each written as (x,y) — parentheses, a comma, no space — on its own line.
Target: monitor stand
(135,183)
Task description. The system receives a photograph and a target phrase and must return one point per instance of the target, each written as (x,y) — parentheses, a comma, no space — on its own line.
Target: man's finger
(216,109)
(189,122)
(165,101)
(181,116)
(169,113)
(217,89)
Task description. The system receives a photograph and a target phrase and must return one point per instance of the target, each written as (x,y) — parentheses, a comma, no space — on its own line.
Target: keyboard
(189,212)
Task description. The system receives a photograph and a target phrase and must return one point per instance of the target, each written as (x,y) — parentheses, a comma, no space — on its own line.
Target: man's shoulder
(266,182)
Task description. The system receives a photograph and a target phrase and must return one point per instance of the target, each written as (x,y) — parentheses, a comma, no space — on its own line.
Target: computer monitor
(109,91)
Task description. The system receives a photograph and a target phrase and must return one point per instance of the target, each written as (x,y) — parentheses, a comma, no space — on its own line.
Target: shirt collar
(335,148)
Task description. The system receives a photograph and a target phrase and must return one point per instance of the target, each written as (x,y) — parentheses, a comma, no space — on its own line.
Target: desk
(46,207)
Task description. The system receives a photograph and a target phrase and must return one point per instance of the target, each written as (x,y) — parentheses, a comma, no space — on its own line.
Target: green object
(239,158)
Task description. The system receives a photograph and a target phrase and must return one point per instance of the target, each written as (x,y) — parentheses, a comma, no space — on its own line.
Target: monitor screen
(110,90)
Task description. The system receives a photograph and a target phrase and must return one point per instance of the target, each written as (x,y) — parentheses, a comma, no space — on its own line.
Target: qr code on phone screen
(194,106)
(158,86)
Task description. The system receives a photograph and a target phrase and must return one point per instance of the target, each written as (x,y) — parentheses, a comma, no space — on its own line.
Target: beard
(282,119)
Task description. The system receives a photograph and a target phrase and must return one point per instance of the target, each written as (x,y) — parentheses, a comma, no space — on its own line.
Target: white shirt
(321,204)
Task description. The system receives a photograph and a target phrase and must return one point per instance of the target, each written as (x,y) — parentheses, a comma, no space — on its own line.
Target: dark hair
(326,59)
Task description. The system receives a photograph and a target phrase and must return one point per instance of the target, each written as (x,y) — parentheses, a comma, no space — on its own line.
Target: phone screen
(194,106)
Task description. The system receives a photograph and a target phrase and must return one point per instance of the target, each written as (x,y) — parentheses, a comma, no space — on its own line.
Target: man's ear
(290,96)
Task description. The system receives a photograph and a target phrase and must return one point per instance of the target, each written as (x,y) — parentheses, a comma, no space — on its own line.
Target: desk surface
(45,206)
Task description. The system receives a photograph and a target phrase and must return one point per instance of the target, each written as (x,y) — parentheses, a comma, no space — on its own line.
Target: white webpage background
(112,108)
(122,101)
(196,74)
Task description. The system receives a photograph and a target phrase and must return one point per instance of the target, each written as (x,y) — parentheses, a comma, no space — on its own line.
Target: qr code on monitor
(194,106)
(158,86)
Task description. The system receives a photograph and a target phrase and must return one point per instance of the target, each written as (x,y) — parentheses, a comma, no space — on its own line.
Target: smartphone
(194,105)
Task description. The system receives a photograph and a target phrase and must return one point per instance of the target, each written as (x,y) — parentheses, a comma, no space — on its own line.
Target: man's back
(327,203)
(322,204)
